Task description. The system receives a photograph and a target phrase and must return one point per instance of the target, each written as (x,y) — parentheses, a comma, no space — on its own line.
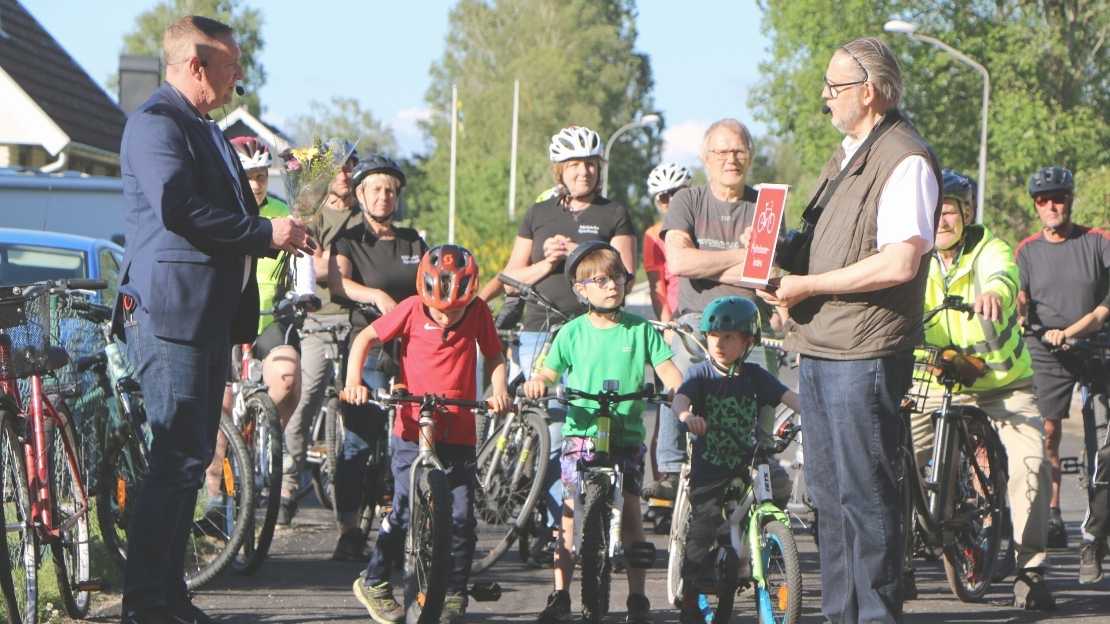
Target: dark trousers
(183,385)
(460,462)
(365,432)
(706,497)
(852,429)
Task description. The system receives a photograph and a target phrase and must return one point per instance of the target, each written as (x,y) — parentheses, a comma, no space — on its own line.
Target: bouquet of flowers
(308,175)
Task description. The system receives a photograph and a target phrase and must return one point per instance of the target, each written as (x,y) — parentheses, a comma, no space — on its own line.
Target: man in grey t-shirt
(702,234)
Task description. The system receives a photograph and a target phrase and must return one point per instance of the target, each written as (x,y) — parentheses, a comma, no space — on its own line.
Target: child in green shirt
(605,343)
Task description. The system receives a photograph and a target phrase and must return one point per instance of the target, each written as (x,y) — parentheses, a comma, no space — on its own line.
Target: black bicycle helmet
(962,189)
(376,163)
(571,263)
(1052,179)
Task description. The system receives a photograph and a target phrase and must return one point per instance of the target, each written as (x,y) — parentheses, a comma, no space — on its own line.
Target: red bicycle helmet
(447,278)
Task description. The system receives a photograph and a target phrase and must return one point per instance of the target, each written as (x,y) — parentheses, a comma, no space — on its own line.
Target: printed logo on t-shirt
(586,228)
(410,259)
(431,327)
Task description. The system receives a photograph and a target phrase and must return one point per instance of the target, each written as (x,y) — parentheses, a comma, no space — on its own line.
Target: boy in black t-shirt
(719,403)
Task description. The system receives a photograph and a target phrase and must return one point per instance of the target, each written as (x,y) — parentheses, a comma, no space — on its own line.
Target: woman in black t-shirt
(373,263)
(575,213)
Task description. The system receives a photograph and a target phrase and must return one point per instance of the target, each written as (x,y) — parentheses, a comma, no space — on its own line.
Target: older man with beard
(857,311)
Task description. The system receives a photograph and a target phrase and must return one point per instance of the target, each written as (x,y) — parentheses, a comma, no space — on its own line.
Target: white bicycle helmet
(668,177)
(253,153)
(575,142)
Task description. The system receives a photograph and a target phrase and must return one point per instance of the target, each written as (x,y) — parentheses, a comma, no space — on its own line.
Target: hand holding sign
(764,235)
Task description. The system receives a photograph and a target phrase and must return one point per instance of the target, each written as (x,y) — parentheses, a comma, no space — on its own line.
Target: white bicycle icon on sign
(766,220)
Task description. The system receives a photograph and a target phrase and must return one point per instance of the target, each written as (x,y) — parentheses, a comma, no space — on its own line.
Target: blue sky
(704,55)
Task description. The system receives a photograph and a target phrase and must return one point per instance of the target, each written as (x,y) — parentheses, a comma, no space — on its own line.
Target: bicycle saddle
(953,363)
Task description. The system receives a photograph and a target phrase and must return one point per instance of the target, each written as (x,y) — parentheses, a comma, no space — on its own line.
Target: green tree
(1049,66)
(577,64)
(146,37)
(343,117)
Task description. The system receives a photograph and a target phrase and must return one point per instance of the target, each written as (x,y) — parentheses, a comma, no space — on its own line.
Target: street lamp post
(650,119)
(908,29)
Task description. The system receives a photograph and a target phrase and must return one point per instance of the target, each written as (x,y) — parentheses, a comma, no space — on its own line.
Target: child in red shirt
(440,330)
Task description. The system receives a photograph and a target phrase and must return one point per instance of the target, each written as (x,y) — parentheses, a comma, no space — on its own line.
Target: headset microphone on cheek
(240,91)
(824,108)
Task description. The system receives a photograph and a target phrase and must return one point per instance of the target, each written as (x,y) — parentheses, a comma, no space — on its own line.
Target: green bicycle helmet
(732,313)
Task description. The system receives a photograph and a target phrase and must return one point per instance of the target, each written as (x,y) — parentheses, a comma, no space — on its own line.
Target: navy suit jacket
(188,234)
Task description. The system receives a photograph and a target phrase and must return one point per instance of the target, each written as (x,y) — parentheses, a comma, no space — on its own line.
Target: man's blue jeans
(183,387)
(852,428)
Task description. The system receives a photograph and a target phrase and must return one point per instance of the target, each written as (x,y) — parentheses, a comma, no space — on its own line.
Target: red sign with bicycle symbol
(769,208)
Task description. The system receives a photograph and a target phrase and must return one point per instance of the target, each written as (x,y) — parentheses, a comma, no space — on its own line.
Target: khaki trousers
(1015,416)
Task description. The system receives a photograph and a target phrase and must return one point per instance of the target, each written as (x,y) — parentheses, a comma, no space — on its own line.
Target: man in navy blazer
(187,292)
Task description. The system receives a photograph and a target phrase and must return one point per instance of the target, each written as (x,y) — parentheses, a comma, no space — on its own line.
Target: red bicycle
(43,491)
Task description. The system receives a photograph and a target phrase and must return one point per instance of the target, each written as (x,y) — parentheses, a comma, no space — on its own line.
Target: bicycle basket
(24,327)
(924,363)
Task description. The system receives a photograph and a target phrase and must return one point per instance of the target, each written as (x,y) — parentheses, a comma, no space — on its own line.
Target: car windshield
(23,264)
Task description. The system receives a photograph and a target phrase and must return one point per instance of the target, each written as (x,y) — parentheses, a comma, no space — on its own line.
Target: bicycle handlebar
(529,293)
(1095,342)
(382,395)
(57,286)
(951,302)
(565,394)
(94,312)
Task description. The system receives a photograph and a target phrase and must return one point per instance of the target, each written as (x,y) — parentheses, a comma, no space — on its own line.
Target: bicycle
(44,498)
(959,504)
(755,529)
(323,432)
(428,539)
(124,464)
(1093,353)
(602,492)
(513,458)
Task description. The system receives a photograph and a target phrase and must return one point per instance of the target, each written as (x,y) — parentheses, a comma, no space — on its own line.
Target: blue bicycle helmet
(1051,180)
(962,189)
(732,313)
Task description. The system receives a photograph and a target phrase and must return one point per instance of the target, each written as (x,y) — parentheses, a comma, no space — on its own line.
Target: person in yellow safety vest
(971,263)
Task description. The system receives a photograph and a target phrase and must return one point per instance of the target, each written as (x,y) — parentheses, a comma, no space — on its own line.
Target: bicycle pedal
(640,555)
(92,585)
(486,592)
(1070,465)
(660,503)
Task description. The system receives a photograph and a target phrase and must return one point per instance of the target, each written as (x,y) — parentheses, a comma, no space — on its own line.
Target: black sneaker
(665,488)
(454,609)
(557,609)
(1090,561)
(541,554)
(639,609)
(1031,592)
(909,584)
(286,510)
(1057,532)
(351,546)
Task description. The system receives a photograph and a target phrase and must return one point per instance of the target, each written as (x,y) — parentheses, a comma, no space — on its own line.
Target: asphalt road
(300,584)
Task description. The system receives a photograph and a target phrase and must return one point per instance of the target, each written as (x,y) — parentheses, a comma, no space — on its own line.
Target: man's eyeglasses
(733,154)
(1051,198)
(836,88)
(601,281)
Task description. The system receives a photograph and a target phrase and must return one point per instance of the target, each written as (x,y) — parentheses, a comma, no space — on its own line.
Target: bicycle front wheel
(597,567)
(225,501)
(676,547)
(261,432)
(977,481)
(70,551)
(780,597)
(122,470)
(19,559)
(428,547)
(510,484)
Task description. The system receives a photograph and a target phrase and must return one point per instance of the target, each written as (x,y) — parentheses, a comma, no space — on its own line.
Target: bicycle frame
(35,456)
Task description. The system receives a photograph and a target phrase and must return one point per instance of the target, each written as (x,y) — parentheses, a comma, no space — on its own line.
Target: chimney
(139,76)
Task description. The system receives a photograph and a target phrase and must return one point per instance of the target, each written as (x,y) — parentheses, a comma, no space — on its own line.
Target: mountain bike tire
(977,474)
(323,476)
(780,601)
(676,545)
(597,568)
(502,507)
(19,559)
(428,546)
(214,540)
(263,438)
(123,467)
(70,511)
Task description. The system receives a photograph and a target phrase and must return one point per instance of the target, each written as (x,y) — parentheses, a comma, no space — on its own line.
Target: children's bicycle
(428,539)
(598,520)
(756,547)
(44,498)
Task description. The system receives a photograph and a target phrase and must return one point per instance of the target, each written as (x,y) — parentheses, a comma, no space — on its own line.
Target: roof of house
(240,122)
(50,76)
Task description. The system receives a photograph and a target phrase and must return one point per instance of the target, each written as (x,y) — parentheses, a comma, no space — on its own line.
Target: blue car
(30,256)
